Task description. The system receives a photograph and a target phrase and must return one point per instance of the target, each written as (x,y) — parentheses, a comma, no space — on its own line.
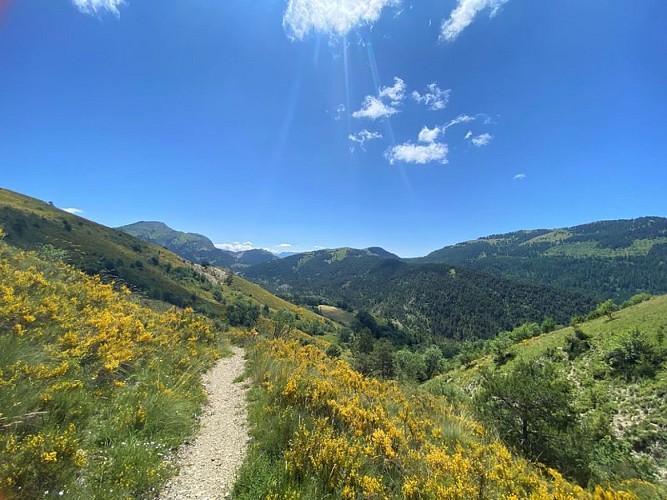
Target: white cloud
(464,14)
(94,7)
(395,93)
(285,245)
(75,211)
(519,177)
(417,153)
(435,98)
(362,137)
(481,140)
(332,17)
(235,246)
(468,135)
(429,135)
(374,107)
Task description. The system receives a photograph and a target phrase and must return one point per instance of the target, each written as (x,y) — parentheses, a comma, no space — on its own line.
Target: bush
(333,351)
(636,299)
(577,343)
(242,312)
(636,357)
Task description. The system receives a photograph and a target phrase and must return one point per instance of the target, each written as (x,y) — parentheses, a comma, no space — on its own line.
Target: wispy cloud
(75,211)
(236,246)
(460,119)
(434,97)
(480,140)
(96,7)
(464,14)
(331,17)
(418,153)
(284,246)
(362,137)
(519,177)
(340,112)
(375,107)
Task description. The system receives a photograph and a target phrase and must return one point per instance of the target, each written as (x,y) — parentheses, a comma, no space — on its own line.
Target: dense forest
(427,300)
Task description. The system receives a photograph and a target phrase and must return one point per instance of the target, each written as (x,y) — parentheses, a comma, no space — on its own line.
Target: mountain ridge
(603,259)
(195,247)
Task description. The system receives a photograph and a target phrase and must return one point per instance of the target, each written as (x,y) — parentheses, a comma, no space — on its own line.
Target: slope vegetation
(334,433)
(605,259)
(614,369)
(95,389)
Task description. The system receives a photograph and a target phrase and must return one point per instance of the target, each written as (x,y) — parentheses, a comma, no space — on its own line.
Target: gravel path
(208,465)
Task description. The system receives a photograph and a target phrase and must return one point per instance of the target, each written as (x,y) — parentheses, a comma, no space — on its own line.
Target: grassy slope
(30,223)
(639,409)
(158,273)
(262,296)
(337,314)
(648,316)
(94,388)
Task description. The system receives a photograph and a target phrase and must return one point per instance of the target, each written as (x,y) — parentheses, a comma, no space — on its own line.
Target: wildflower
(50,457)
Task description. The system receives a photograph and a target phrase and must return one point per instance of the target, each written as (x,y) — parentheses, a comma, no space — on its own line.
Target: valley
(405,376)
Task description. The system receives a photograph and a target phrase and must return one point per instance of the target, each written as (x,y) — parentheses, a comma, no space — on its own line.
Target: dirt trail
(208,465)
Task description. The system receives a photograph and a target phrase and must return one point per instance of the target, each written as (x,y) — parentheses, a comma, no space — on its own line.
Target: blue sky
(323,123)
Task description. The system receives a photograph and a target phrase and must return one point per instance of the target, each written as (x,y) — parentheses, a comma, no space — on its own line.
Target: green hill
(617,372)
(428,300)
(605,259)
(146,268)
(195,247)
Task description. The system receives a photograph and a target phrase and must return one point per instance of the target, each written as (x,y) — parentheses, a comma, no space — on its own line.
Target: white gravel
(208,465)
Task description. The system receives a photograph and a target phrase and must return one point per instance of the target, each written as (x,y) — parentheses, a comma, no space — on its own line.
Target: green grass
(341,316)
(557,236)
(586,249)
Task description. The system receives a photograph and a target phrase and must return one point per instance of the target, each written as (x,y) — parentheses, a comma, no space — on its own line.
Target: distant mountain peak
(194,246)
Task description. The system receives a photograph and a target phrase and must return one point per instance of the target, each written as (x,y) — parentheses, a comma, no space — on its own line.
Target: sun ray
(388,128)
(346,71)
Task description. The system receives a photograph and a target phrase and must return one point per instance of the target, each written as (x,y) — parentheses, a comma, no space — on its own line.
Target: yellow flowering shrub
(94,387)
(359,437)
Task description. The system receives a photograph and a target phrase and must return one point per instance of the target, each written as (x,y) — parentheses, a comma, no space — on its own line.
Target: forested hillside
(436,300)
(608,259)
